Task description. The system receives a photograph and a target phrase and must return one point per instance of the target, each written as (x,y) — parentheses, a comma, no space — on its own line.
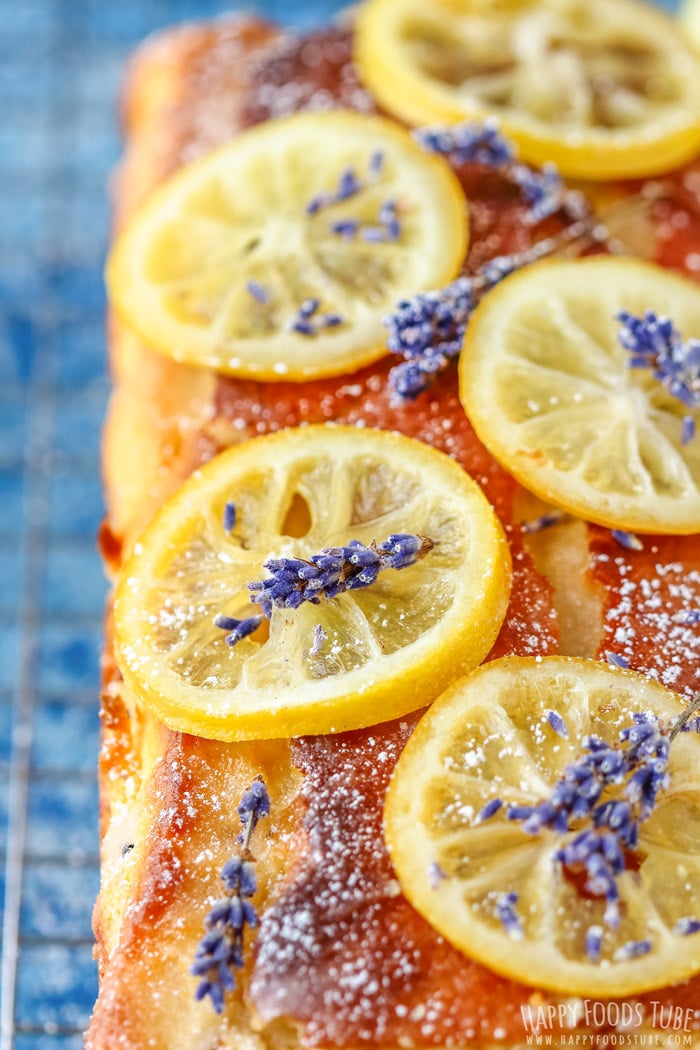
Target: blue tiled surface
(54,908)
(11,509)
(10,578)
(5,733)
(62,818)
(9,638)
(4,793)
(75,504)
(70,584)
(37,1041)
(55,984)
(69,657)
(60,63)
(65,736)
(78,419)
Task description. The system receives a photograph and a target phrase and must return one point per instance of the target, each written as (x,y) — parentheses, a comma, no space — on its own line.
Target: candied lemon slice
(690,21)
(489,737)
(336,215)
(550,391)
(604,88)
(384,650)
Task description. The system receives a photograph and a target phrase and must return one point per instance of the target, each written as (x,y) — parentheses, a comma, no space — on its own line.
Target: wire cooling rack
(60,66)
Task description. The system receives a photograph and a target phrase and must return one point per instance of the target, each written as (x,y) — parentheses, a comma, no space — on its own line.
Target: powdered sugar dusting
(341,950)
(650,596)
(315,72)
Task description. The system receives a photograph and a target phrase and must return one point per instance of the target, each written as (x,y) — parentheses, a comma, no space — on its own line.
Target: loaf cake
(341,956)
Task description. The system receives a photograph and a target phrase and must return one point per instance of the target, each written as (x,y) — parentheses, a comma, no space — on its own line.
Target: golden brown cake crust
(168,800)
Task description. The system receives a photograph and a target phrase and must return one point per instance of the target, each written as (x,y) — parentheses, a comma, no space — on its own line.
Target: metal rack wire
(60,66)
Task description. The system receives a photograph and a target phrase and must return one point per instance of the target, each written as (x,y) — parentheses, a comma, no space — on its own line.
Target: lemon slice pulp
(690,22)
(336,209)
(488,737)
(549,389)
(603,88)
(386,649)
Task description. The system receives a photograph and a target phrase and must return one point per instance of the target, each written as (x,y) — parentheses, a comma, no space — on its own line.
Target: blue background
(60,68)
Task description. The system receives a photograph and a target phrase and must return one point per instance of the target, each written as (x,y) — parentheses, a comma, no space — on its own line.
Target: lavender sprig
(221,950)
(468,143)
(654,342)
(428,329)
(482,143)
(254,805)
(334,570)
(638,767)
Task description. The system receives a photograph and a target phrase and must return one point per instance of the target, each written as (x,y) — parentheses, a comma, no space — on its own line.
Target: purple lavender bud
(654,342)
(229,516)
(376,163)
(302,327)
(221,912)
(496,270)
(507,914)
(309,307)
(686,927)
(687,430)
(489,810)
(468,143)
(373,234)
(214,991)
(249,914)
(226,979)
(632,950)
(545,521)
(601,879)
(578,849)
(627,540)
(248,880)
(544,815)
(321,200)
(238,629)
(639,732)
(345,228)
(231,874)
(558,724)
(408,381)
(257,292)
(614,814)
(594,943)
(254,804)
(543,190)
(616,660)
(520,812)
(436,875)
(348,185)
